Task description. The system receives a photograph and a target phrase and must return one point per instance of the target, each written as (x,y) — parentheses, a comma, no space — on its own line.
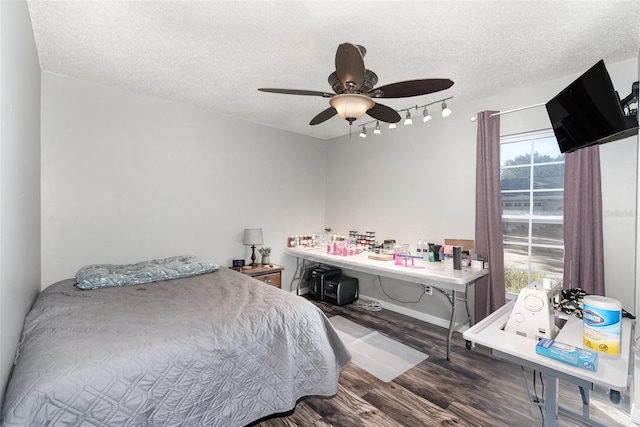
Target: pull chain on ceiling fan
(354,89)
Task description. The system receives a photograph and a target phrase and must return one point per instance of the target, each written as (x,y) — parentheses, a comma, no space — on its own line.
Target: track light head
(446,112)
(408,120)
(426,115)
(363,133)
(377,129)
(392,125)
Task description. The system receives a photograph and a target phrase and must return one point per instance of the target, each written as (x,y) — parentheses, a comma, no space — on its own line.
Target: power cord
(533,398)
(376,306)
(395,299)
(535,391)
(368,305)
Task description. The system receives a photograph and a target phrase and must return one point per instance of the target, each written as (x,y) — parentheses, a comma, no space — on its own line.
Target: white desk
(446,281)
(610,373)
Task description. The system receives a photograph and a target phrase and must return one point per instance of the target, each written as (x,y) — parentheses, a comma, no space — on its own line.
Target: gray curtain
(583,241)
(489,291)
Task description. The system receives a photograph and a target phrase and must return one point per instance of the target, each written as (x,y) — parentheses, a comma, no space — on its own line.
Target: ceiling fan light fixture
(446,112)
(408,120)
(354,88)
(351,106)
(426,115)
(377,129)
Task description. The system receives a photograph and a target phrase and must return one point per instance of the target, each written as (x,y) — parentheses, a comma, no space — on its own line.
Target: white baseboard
(402,310)
(411,313)
(635,414)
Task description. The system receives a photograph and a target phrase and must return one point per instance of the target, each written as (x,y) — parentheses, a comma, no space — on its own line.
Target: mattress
(217,349)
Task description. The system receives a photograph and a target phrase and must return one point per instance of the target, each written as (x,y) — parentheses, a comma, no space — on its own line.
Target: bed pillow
(99,276)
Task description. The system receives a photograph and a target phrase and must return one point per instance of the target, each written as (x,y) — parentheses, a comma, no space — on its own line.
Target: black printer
(317,278)
(340,290)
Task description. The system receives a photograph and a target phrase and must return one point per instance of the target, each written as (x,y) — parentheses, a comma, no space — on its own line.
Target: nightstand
(269,275)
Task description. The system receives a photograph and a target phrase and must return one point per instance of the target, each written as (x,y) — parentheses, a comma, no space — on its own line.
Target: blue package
(576,356)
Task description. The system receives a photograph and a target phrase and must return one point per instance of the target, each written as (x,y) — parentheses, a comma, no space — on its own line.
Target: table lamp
(253,237)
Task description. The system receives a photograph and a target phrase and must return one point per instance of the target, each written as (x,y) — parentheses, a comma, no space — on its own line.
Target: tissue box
(576,356)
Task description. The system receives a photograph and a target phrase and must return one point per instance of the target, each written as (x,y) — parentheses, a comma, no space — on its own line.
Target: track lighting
(408,120)
(426,115)
(446,112)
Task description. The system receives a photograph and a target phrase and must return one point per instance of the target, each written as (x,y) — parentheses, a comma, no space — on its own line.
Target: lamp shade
(252,236)
(351,106)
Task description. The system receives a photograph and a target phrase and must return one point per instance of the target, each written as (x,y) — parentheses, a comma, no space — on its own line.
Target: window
(532,198)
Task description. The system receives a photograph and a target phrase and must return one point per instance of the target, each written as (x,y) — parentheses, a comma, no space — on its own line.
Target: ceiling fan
(354,89)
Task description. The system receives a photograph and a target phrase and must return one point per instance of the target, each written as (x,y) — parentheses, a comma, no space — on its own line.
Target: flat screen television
(589,112)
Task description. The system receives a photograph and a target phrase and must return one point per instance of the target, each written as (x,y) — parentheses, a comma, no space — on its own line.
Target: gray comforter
(219,349)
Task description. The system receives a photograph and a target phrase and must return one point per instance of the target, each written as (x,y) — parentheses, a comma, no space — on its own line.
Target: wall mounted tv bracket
(630,99)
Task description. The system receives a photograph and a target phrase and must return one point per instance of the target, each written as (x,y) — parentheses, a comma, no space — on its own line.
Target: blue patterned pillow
(99,276)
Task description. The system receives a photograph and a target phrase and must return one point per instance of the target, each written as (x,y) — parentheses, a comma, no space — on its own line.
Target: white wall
(419,182)
(635,391)
(128,177)
(19,178)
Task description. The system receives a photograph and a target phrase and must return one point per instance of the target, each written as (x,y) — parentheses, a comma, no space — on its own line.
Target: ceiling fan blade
(323,116)
(411,88)
(384,113)
(296,92)
(350,66)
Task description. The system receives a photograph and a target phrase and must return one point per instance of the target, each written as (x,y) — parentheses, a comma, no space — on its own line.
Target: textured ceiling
(215,54)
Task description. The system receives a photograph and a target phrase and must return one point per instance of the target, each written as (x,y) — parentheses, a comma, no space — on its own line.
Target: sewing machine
(612,373)
(533,314)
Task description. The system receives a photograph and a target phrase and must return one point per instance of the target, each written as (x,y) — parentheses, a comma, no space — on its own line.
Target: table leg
(298,274)
(550,408)
(451,298)
(451,325)
(466,304)
(585,392)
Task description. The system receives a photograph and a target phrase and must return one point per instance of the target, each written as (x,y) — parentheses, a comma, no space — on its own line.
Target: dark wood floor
(473,389)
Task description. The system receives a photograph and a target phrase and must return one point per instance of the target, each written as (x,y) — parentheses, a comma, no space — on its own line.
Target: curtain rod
(517,109)
(473,119)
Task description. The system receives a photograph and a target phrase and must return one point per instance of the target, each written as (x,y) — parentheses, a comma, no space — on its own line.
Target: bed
(213,349)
